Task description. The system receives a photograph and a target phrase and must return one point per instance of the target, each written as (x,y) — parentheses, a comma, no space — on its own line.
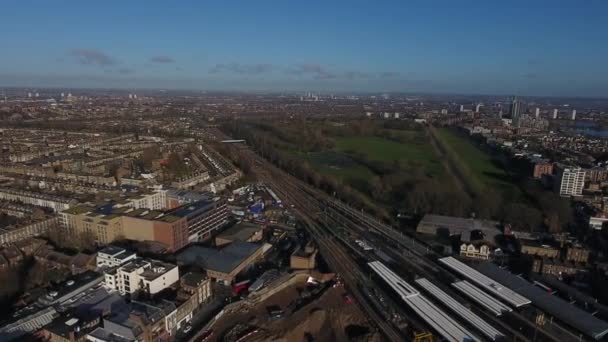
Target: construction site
(303,306)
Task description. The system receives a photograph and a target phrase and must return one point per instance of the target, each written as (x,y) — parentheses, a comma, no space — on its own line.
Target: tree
(376,187)
(554,223)
(148,156)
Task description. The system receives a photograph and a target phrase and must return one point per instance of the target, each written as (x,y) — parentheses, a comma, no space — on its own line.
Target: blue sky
(485,47)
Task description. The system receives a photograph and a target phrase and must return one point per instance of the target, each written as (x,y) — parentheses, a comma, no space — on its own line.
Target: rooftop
(101,334)
(193,278)
(64,324)
(112,250)
(241,232)
(459,224)
(190,196)
(78,210)
(152,269)
(560,309)
(224,260)
(192,208)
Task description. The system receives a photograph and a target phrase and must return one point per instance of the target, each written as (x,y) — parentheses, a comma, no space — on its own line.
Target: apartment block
(147,275)
(542,167)
(570,181)
(37,199)
(113,256)
(20,233)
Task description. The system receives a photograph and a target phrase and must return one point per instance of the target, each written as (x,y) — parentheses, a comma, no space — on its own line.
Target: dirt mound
(313,326)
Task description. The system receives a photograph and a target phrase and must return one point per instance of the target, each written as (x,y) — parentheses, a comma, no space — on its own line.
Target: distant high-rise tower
(517,109)
(537,112)
(461,108)
(573,114)
(29,94)
(62,95)
(555,113)
(36,95)
(130,96)
(478,107)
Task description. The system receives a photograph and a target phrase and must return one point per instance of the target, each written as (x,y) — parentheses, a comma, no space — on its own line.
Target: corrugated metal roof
(486,283)
(555,306)
(460,309)
(445,325)
(482,298)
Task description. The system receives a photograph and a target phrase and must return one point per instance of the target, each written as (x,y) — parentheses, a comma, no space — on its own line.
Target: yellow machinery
(423,336)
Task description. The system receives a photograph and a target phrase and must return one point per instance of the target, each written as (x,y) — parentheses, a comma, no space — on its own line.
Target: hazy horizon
(544,48)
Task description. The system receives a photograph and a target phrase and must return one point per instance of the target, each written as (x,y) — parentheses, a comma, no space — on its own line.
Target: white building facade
(113,256)
(571,181)
(148,275)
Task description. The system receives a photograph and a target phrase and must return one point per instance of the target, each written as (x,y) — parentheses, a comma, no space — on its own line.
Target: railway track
(322,214)
(338,260)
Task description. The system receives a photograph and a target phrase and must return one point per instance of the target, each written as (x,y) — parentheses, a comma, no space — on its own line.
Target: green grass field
(477,165)
(337,164)
(414,152)
(380,149)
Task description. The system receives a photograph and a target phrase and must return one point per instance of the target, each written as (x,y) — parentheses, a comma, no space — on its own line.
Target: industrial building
(304,258)
(242,231)
(226,263)
(552,305)
(434,224)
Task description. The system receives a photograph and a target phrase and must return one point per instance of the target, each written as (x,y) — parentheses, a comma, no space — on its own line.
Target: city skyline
(475,47)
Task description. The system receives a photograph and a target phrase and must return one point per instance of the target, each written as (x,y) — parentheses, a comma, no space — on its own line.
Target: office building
(106,224)
(145,225)
(203,218)
(555,113)
(537,112)
(573,114)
